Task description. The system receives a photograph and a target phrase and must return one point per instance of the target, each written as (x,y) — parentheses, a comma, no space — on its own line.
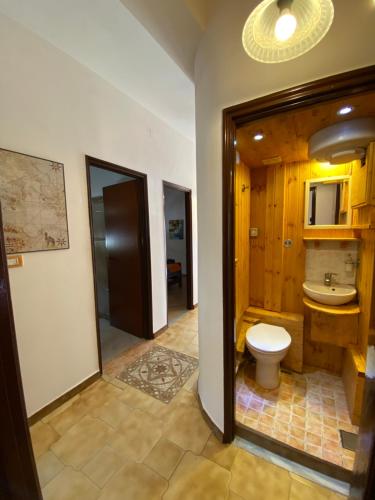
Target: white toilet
(269,345)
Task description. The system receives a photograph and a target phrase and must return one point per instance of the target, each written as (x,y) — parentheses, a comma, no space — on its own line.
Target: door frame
(188,241)
(145,242)
(17,463)
(319,91)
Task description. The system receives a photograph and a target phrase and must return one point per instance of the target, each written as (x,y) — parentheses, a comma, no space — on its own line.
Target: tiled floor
(306,412)
(176,301)
(113,442)
(114,341)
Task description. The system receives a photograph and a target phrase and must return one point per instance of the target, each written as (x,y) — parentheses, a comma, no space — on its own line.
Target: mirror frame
(308,182)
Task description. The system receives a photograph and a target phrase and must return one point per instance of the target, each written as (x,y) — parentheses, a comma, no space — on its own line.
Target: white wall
(224,76)
(53,107)
(174,205)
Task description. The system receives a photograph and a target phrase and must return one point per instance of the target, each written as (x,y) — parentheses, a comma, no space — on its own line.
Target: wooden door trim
(146,262)
(326,89)
(189,242)
(19,478)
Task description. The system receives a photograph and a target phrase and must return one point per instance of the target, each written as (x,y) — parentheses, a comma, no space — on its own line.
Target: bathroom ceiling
(286,135)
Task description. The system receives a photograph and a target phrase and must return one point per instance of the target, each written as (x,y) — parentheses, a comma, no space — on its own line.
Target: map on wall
(32,196)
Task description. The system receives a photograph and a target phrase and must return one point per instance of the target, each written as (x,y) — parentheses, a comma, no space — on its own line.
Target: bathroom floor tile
(306,411)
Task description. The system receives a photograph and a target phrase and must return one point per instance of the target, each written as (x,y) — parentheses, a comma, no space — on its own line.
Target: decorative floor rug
(160,372)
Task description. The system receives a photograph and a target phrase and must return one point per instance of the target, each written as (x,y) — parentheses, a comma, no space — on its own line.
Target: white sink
(334,295)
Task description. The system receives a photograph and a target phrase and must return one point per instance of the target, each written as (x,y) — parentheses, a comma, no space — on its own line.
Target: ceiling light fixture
(280,30)
(345,110)
(258,137)
(287,23)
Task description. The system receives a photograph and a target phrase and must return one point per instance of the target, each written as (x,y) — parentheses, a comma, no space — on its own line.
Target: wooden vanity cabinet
(363,180)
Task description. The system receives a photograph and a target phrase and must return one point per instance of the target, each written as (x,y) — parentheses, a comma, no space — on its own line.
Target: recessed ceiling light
(258,137)
(235,142)
(345,110)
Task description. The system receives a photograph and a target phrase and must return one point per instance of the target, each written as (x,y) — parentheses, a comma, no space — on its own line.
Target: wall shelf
(330,238)
(344,310)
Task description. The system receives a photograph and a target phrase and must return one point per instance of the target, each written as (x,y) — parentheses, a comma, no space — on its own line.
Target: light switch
(254,232)
(15,261)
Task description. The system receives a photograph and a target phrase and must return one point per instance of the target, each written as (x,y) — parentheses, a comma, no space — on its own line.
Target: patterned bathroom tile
(306,412)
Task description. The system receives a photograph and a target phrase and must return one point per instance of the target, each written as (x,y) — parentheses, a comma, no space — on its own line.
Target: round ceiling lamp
(280,30)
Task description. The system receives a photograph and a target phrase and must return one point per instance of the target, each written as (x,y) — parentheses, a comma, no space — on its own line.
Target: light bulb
(285,26)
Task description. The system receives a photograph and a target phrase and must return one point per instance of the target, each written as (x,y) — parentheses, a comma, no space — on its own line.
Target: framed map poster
(32,195)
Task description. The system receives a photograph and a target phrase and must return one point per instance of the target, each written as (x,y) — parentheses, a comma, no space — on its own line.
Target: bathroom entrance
(299,264)
(178,249)
(120,246)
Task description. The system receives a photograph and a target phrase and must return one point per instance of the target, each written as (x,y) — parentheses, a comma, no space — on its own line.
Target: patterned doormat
(160,372)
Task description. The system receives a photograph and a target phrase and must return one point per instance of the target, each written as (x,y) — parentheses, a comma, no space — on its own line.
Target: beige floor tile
(70,485)
(303,489)
(164,457)
(103,466)
(186,428)
(234,496)
(60,409)
(112,412)
(100,393)
(64,420)
(222,454)
(141,401)
(48,466)
(42,436)
(254,478)
(198,478)
(136,436)
(186,397)
(192,382)
(82,442)
(135,482)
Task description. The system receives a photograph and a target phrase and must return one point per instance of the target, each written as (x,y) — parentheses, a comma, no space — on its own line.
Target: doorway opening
(269,251)
(118,211)
(178,248)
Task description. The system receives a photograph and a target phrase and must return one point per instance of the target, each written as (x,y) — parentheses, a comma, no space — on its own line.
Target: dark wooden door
(123,221)
(18,477)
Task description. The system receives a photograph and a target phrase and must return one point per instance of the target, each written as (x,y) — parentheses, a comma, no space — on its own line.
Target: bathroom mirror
(327,202)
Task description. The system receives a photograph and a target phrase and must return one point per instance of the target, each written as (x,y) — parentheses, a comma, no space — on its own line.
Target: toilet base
(267,375)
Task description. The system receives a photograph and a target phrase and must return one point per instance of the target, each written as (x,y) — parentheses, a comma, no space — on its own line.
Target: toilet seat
(268,338)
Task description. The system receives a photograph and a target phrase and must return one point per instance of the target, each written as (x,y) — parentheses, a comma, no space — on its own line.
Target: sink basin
(334,295)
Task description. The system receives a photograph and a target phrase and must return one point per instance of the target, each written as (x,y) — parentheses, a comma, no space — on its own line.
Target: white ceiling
(106,37)
(177,25)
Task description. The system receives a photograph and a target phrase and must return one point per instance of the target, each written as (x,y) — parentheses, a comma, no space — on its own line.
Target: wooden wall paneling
(257,244)
(242,244)
(274,249)
(319,355)
(353,376)
(365,279)
(294,257)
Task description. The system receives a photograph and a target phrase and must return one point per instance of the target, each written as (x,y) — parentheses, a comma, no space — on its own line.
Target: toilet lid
(268,338)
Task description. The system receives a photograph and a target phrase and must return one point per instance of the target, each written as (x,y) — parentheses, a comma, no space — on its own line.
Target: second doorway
(178,233)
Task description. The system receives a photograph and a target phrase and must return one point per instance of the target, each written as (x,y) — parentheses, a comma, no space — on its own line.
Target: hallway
(115,442)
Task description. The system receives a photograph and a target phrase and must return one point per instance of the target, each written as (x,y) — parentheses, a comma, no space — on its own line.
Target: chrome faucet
(329,278)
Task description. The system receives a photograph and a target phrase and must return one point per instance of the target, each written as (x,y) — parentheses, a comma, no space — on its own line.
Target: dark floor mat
(349,440)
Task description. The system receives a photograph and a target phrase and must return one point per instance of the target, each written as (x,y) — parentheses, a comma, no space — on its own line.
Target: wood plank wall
(277,210)
(365,287)
(242,244)
(257,245)
(274,250)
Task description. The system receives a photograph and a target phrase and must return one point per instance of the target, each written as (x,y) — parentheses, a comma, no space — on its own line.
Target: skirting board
(62,399)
